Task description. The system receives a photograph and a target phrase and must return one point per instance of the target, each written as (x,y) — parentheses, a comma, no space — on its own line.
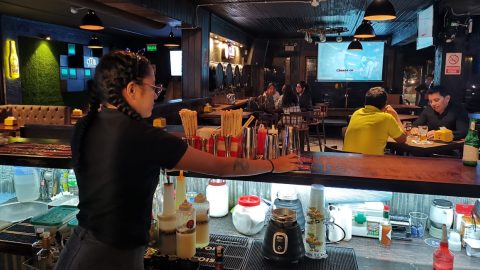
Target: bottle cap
(46,235)
(185,206)
(181,177)
(40,230)
(217,182)
(386,207)
(200,198)
(249,201)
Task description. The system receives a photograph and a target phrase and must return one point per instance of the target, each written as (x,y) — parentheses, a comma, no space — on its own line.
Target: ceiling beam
(407,35)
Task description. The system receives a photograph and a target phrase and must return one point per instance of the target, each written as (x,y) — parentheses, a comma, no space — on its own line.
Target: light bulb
(323,38)
(339,38)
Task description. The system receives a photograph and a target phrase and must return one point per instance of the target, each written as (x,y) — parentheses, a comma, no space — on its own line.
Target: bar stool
(319,113)
(302,120)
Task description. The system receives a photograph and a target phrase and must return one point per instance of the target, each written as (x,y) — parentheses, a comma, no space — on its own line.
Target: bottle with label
(37,246)
(45,255)
(13,59)
(219,258)
(72,182)
(470,148)
(186,231)
(385,234)
(202,206)
(443,257)
(63,180)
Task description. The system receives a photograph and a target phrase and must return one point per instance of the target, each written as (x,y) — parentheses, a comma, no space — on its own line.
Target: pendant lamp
(91,21)
(355,45)
(380,10)
(94,43)
(171,40)
(365,30)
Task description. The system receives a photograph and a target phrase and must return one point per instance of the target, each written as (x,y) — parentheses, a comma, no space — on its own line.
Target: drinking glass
(408,127)
(422,133)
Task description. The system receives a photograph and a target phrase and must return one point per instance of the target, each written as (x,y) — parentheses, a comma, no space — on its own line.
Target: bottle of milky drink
(202,207)
(186,236)
(167,222)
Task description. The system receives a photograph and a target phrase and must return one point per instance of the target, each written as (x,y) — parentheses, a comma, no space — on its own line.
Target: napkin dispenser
(445,135)
(10,121)
(160,122)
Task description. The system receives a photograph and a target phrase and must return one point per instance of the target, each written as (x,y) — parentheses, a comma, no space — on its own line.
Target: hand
(430,134)
(414,131)
(390,110)
(286,163)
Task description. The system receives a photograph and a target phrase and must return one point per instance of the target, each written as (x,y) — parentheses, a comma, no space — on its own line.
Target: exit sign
(151,47)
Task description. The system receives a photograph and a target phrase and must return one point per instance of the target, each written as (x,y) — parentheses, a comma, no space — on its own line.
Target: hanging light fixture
(171,40)
(94,43)
(91,21)
(380,10)
(323,37)
(365,30)
(355,45)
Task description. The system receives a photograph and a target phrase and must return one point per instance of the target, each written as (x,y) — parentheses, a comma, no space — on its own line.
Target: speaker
(258,52)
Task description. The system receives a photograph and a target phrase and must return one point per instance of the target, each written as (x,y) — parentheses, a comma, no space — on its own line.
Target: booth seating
(47,115)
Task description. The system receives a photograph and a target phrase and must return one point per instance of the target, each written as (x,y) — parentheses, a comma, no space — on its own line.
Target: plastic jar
(248,216)
(217,194)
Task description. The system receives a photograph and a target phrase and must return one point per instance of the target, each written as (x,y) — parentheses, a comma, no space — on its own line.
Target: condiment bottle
(261,134)
(385,235)
(443,257)
(217,194)
(180,191)
(45,255)
(219,258)
(167,222)
(202,206)
(186,235)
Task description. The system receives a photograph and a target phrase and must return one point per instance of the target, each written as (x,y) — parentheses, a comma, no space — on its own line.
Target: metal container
(193,142)
(291,140)
(16,211)
(249,143)
(271,150)
(204,143)
(215,144)
(228,145)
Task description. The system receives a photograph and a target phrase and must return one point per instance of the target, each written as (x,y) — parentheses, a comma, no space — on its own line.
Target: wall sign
(90,62)
(151,47)
(453,64)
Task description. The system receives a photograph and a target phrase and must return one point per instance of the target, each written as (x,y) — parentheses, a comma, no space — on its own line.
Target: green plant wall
(40,71)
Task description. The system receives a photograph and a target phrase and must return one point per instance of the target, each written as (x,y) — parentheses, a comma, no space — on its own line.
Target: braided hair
(114,72)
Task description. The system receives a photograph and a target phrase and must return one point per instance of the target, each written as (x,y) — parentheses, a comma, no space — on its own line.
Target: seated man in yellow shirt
(371,126)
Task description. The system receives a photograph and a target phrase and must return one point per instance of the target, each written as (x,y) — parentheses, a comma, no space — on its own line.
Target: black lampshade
(91,21)
(380,10)
(355,45)
(94,43)
(365,30)
(171,40)
(171,35)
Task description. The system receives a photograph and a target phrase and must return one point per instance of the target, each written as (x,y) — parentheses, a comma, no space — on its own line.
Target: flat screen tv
(337,64)
(425,28)
(176,63)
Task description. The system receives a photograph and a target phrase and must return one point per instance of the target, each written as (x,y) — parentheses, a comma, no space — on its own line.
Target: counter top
(436,176)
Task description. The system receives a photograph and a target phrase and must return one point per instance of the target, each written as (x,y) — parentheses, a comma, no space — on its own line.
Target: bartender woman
(117,159)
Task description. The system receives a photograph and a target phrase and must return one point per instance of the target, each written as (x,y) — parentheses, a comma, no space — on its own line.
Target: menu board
(425,28)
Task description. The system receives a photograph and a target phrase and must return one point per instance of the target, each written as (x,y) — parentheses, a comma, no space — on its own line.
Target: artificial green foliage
(40,71)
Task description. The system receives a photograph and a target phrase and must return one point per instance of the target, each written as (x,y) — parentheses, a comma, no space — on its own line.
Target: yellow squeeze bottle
(181,191)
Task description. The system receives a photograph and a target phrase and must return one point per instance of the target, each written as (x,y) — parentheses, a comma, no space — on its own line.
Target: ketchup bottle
(443,257)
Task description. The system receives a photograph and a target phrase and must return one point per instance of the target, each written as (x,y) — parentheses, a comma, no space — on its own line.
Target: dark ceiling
(282,20)
(58,12)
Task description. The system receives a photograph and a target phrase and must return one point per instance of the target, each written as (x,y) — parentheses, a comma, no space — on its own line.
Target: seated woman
(289,103)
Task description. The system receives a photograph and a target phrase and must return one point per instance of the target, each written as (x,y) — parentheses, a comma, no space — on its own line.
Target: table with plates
(427,149)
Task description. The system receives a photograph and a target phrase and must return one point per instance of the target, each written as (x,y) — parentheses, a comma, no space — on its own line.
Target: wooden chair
(268,120)
(319,114)
(302,120)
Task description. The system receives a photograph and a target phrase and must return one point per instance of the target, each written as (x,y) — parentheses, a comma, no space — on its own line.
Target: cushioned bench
(47,115)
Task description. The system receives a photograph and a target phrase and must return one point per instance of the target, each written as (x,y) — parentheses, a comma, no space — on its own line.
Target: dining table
(429,148)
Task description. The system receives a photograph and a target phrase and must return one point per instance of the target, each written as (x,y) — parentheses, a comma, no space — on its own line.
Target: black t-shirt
(121,163)
(422,90)
(455,118)
(305,101)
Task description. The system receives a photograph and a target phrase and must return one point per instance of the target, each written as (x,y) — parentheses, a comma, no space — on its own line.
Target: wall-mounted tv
(337,64)
(176,63)
(425,28)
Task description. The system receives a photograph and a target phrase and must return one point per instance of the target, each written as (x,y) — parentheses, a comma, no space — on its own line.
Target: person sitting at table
(371,126)
(442,113)
(272,90)
(266,101)
(304,95)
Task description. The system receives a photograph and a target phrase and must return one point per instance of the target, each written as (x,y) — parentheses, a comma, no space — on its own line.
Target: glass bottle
(385,234)
(45,255)
(470,147)
(13,59)
(72,182)
(219,258)
(287,197)
(443,257)
(186,235)
(202,206)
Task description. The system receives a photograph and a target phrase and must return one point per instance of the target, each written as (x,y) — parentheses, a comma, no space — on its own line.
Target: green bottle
(470,148)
